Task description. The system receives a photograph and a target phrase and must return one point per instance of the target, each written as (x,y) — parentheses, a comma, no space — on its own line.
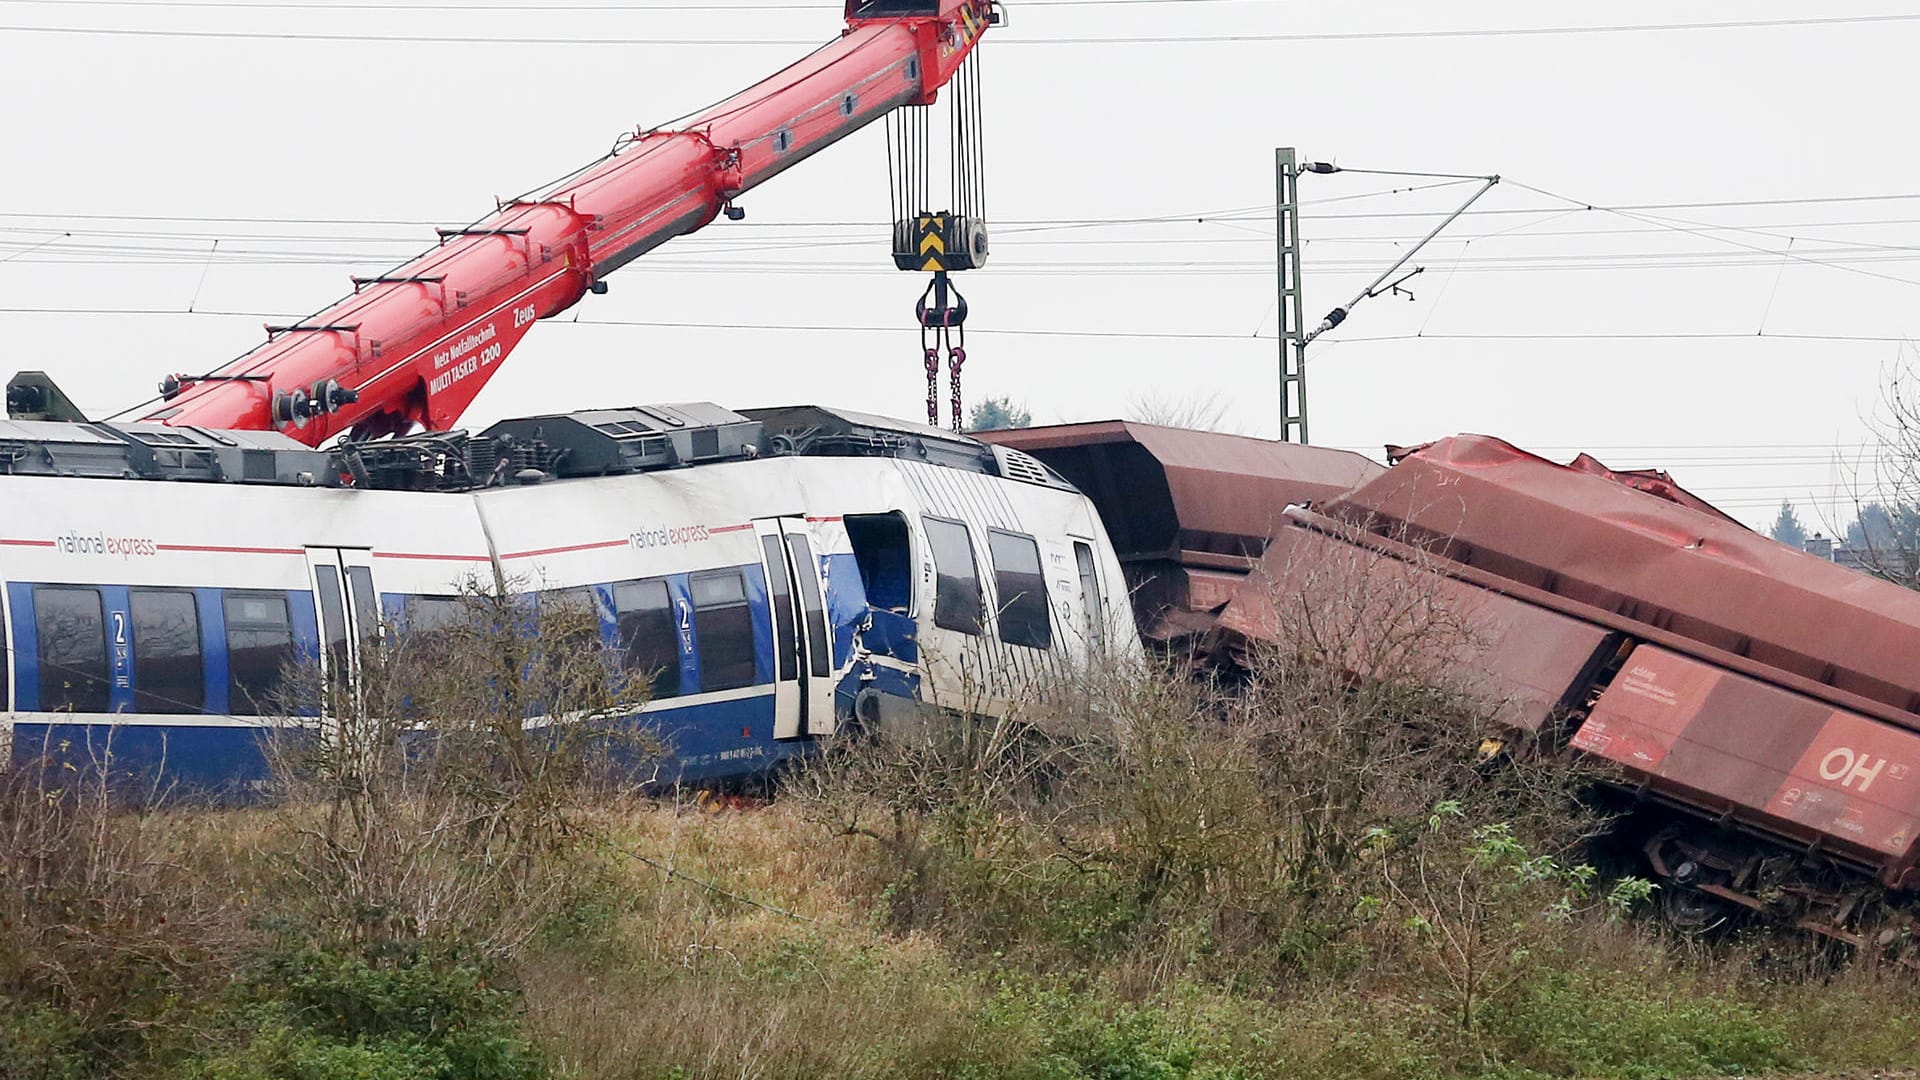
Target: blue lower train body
(698,743)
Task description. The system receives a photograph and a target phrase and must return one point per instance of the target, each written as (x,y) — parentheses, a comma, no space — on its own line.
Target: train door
(6,685)
(802,649)
(1093,608)
(349,610)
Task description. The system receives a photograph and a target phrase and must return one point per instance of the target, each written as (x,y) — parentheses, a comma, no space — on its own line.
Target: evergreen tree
(1787,528)
(998,414)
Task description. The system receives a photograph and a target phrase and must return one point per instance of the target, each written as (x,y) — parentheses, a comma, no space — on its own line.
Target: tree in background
(1787,528)
(999,414)
(1884,539)
(1194,412)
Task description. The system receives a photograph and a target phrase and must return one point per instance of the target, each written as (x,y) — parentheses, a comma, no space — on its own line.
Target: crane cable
(941,311)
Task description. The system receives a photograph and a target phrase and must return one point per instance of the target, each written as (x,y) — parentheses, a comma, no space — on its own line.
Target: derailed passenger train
(781,571)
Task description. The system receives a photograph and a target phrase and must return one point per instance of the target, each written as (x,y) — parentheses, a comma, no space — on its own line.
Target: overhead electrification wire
(1192,39)
(1261,213)
(725,240)
(1708,232)
(1172,335)
(616,8)
(703,262)
(1636,336)
(1718,204)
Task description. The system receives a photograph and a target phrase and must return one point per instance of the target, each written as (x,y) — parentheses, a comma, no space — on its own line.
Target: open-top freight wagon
(1761,705)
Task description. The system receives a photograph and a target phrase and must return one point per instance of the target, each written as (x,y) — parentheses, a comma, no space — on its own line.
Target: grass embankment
(753,943)
(675,979)
(1315,875)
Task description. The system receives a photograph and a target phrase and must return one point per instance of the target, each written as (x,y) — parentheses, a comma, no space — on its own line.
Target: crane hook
(942,314)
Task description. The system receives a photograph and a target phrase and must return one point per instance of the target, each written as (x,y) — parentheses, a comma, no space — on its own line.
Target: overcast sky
(1655,337)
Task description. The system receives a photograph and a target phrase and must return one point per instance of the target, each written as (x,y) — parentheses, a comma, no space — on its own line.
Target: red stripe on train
(211,549)
(564,550)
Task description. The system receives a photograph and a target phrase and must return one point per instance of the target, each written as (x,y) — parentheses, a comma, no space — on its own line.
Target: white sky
(418,133)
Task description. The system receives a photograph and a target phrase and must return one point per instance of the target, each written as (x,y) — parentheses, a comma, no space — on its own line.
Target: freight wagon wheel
(1693,913)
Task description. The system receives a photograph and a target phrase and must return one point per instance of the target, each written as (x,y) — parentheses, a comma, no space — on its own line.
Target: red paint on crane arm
(419,343)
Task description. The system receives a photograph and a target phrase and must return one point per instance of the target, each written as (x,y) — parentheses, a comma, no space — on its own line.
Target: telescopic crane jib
(414,346)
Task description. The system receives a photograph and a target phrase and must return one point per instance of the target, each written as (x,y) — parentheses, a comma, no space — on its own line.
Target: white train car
(782,572)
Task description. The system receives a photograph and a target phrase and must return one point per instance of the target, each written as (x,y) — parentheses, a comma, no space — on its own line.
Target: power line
(1193,39)
(616,8)
(716,259)
(1254,214)
(1579,206)
(1695,228)
(718,242)
(1149,335)
(1507,31)
(673,325)
(398,39)
(1634,336)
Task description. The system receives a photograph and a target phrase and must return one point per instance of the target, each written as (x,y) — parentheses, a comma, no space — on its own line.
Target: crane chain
(942,314)
(933,386)
(956,356)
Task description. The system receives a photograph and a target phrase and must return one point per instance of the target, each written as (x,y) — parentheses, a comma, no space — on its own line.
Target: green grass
(775,951)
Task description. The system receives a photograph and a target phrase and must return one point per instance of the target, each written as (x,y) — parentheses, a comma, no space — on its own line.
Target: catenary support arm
(416,345)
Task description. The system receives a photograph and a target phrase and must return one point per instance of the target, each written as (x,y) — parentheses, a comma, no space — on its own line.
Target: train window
(1091,602)
(574,615)
(73,649)
(366,606)
(956,595)
(425,614)
(1023,591)
(723,630)
(168,670)
(806,570)
(648,638)
(333,619)
(259,647)
(885,557)
(780,592)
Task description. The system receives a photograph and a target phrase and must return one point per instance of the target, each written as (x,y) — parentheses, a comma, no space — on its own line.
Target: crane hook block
(941,306)
(936,242)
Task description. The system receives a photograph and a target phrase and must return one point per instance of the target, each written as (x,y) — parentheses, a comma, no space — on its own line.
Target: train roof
(537,449)
(1170,493)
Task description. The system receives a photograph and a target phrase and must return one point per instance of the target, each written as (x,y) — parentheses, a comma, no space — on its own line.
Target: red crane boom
(416,345)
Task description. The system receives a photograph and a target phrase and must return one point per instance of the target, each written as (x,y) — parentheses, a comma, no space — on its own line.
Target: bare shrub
(1253,829)
(438,800)
(1371,691)
(110,918)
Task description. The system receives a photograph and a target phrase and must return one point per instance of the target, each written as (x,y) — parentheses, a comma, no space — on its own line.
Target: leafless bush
(108,914)
(1372,690)
(1169,824)
(438,799)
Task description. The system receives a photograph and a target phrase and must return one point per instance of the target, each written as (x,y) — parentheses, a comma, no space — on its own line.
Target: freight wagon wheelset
(1713,880)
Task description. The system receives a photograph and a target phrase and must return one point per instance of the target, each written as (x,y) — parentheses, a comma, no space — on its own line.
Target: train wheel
(1693,913)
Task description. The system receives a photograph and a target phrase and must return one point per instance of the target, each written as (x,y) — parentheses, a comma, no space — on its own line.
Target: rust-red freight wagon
(1768,695)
